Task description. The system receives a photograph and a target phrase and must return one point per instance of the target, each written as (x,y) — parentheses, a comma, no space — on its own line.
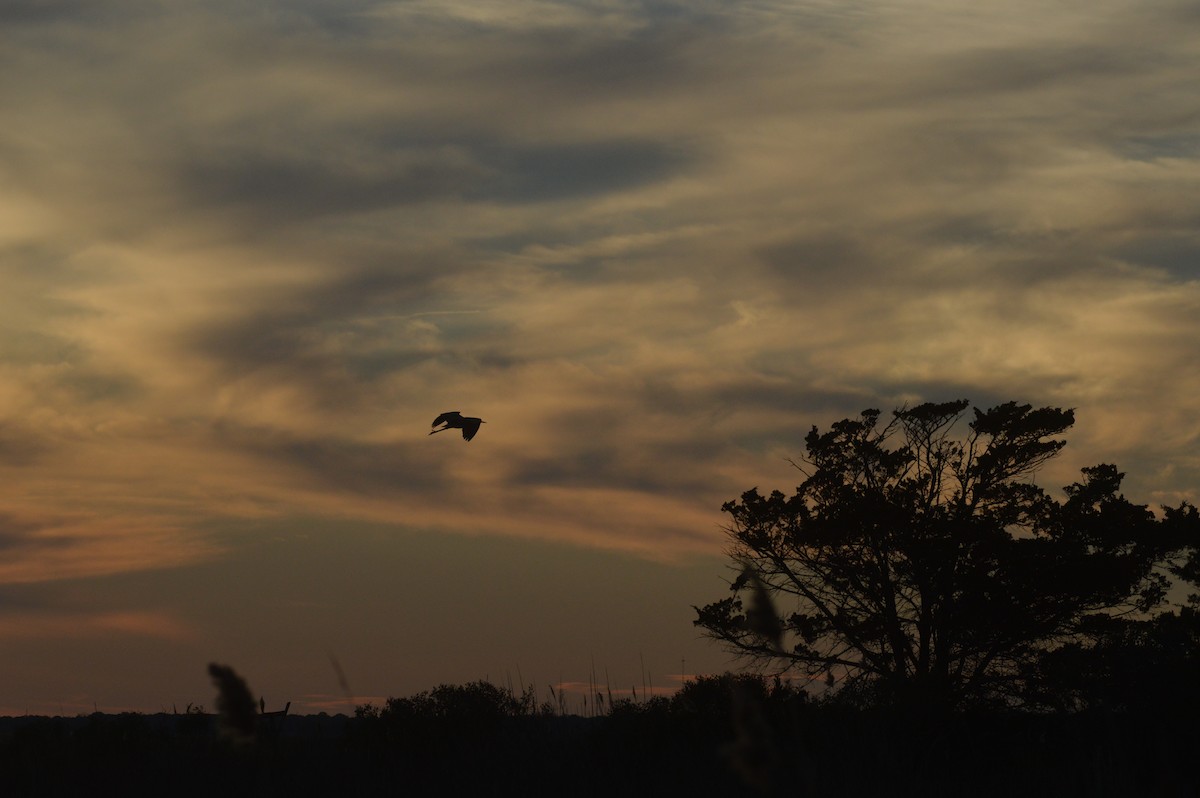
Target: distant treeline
(729,735)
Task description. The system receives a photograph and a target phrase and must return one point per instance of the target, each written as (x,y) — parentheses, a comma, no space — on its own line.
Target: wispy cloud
(92,625)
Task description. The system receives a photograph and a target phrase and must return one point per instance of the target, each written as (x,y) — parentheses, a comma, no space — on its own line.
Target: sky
(249,251)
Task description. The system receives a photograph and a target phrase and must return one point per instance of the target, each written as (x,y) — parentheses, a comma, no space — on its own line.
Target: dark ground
(657,749)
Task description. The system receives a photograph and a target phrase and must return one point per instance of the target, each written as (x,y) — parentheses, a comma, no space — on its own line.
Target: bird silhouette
(456,420)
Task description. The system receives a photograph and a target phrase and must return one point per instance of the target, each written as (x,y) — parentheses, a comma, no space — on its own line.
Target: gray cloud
(20,447)
(1163,146)
(19,537)
(1035,68)
(30,346)
(263,187)
(40,12)
(366,469)
(1177,255)
(823,261)
(339,339)
(266,187)
(546,173)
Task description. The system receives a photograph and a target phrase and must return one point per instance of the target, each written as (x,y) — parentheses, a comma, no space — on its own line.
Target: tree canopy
(920,561)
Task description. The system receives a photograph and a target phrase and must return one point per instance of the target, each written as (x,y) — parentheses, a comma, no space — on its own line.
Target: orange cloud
(93,625)
(56,547)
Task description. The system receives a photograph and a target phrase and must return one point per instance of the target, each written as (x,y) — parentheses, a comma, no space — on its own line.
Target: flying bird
(456,420)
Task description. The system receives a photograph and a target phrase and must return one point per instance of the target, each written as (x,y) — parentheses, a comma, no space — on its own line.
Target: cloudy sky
(249,251)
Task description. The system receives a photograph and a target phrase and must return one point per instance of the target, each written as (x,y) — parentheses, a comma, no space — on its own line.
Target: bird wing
(446,418)
(470,427)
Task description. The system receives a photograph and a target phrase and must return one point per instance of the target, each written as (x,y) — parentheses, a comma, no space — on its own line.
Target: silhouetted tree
(1146,665)
(926,565)
(1129,663)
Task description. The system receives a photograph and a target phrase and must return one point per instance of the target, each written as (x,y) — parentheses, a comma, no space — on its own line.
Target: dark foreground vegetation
(721,736)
